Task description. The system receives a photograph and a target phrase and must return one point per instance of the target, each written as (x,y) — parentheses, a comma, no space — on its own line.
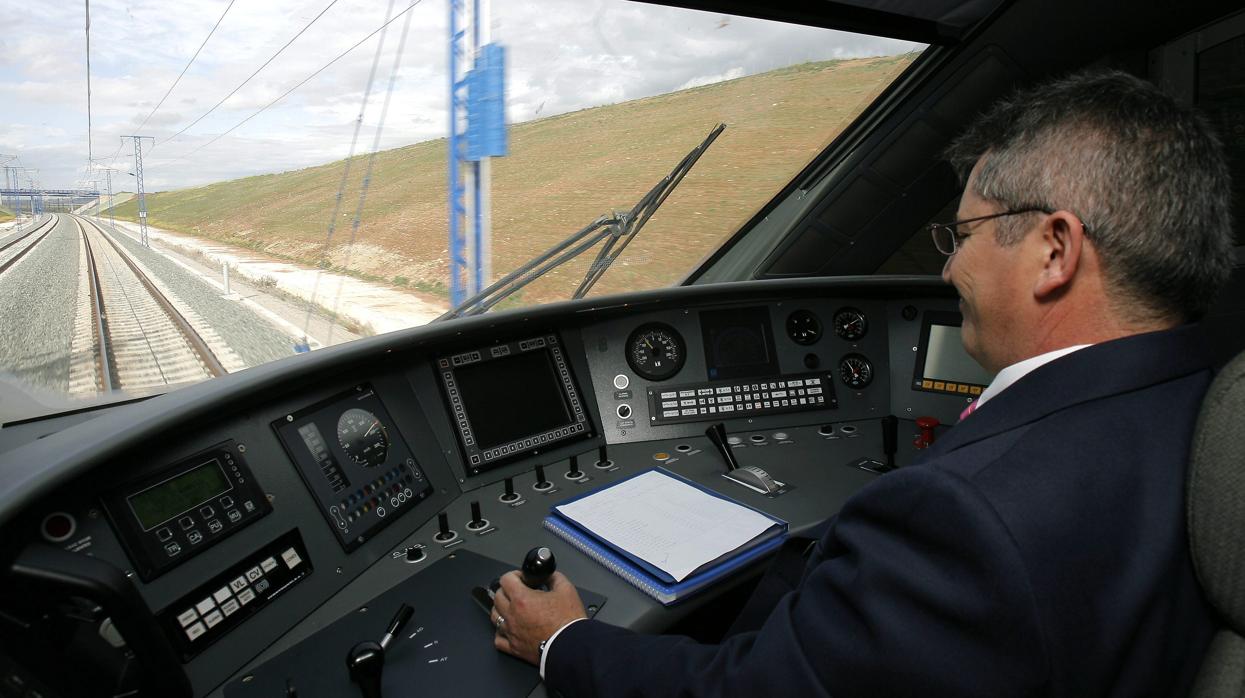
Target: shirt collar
(1020,369)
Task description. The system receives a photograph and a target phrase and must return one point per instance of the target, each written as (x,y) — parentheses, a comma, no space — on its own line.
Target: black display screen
(942,364)
(513,397)
(155,505)
(739,343)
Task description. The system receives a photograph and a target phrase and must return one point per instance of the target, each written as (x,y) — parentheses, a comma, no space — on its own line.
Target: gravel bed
(37,301)
(255,339)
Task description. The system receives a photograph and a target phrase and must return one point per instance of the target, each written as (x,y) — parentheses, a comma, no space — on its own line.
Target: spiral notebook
(666,535)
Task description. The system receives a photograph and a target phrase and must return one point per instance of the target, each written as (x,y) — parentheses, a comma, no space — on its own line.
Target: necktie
(972,407)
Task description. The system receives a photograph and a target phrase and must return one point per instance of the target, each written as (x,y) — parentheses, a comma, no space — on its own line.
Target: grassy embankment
(561,174)
(6,214)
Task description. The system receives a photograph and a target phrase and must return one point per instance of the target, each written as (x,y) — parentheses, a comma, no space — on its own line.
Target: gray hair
(1146,176)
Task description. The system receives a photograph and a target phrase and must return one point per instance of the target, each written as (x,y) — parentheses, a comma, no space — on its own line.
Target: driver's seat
(1216,511)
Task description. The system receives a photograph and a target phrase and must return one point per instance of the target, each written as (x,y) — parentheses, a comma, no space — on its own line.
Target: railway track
(12,251)
(142,340)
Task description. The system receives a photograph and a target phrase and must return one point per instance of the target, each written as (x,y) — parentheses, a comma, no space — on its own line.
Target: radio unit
(169,517)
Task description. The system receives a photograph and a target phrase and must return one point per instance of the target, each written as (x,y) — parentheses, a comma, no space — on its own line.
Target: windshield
(192,192)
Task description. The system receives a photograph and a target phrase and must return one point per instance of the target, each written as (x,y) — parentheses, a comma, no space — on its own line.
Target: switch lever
(752,477)
(538,566)
(890,439)
(717,434)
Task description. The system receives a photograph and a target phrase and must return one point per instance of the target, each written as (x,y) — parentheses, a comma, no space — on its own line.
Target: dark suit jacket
(1038,548)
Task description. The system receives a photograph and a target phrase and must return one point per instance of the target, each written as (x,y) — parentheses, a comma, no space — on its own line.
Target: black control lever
(603,458)
(366,660)
(890,439)
(717,434)
(752,477)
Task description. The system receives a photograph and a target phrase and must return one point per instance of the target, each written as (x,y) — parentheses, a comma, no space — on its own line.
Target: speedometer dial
(656,351)
(856,371)
(362,437)
(850,324)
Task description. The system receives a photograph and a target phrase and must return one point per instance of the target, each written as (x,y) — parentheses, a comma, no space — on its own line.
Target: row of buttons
(742,388)
(744,397)
(209,612)
(950,387)
(397,495)
(376,485)
(187,523)
(760,405)
(527,443)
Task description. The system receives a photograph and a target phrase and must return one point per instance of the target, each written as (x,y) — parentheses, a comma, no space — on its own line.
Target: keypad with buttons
(740,398)
(227,600)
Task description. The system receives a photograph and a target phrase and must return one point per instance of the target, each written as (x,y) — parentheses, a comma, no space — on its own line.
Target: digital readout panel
(511,400)
(942,364)
(166,500)
(353,458)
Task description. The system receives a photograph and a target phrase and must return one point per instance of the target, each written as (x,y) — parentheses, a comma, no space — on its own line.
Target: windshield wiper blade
(617,229)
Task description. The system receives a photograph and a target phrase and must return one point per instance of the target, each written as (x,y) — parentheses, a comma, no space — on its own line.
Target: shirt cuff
(544,647)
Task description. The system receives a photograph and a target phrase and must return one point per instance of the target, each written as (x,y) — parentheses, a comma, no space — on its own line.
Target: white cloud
(563,55)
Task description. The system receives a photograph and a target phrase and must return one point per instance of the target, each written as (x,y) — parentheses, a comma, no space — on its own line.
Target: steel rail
(51,220)
(13,260)
(108,378)
(196,342)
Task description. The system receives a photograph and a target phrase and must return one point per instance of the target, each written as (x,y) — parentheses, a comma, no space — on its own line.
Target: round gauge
(656,351)
(803,327)
(362,437)
(856,371)
(850,324)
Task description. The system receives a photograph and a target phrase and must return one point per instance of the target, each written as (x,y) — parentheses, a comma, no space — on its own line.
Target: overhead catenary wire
(192,60)
(304,81)
(341,185)
(112,160)
(89,151)
(371,160)
(252,75)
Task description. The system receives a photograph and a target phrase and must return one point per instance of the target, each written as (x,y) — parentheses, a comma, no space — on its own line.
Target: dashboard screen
(739,343)
(943,366)
(512,399)
(177,495)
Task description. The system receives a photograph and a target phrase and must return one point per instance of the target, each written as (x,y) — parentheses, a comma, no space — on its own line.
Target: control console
(178,512)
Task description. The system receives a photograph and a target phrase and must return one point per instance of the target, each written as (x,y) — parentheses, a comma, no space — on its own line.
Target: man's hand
(530,615)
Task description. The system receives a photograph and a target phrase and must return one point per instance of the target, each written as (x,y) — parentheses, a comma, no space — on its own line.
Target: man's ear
(1062,244)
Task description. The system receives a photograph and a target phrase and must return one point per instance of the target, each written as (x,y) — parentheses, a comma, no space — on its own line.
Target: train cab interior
(816,321)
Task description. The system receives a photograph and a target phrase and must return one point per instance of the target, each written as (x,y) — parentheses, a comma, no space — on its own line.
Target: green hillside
(6,214)
(561,174)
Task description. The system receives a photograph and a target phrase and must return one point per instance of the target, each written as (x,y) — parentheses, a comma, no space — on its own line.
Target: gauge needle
(369,429)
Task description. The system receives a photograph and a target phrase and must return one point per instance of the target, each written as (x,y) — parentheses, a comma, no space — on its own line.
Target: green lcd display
(159,503)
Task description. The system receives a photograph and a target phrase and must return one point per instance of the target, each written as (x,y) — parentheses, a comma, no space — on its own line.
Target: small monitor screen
(946,359)
(159,503)
(739,343)
(943,365)
(511,398)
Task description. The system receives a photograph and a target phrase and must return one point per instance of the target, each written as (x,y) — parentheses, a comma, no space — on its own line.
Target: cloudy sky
(562,55)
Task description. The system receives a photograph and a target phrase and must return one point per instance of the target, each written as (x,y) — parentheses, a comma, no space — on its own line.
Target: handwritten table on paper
(670,524)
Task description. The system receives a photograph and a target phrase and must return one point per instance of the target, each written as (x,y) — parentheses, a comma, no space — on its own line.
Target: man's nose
(946,269)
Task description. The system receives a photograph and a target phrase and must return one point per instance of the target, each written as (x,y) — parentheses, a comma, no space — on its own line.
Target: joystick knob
(574,473)
(365,663)
(538,565)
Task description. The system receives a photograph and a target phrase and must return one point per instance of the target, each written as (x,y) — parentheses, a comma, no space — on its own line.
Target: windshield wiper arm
(616,229)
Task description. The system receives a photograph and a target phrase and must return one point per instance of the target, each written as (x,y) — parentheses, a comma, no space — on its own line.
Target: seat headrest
(1216,495)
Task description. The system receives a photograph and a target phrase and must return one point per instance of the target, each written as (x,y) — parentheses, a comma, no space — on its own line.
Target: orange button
(939,385)
(927,384)
(963,388)
(975,390)
(951,386)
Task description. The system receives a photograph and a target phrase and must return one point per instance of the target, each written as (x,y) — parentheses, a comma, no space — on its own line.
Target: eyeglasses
(947,236)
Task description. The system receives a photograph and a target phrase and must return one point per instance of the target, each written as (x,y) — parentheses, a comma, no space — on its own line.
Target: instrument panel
(356,469)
